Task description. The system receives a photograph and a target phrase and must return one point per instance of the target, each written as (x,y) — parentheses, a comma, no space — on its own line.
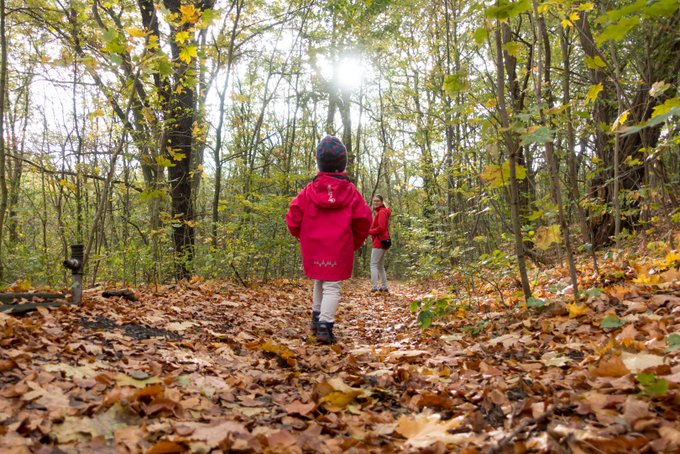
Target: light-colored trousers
(378,267)
(325,299)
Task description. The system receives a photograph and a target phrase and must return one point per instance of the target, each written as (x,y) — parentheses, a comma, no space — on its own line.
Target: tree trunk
(3,151)
(544,52)
(512,144)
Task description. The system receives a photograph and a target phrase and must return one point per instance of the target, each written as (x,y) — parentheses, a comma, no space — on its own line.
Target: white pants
(325,299)
(378,267)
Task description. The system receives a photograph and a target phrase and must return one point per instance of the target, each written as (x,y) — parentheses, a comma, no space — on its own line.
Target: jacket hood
(331,190)
(388,211)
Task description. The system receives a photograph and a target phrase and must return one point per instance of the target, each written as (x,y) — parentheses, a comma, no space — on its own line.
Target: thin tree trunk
(3,151)
(544,51)
(512,145)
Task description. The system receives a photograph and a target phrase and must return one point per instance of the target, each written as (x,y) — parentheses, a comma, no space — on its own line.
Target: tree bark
(512,144)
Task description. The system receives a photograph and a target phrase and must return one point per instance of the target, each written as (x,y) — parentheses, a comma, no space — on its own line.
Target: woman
(380,231)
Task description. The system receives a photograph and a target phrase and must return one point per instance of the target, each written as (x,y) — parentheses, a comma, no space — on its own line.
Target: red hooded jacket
(331,220)
(380,228)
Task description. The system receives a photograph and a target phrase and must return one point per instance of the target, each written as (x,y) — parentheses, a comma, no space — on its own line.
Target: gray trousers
(378,267)
(325,299)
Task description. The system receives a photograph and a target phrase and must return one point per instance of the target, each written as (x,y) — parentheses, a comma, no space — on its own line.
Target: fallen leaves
(207,366)
(421,431)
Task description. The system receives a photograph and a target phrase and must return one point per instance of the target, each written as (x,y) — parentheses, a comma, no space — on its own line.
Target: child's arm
(294,215)
(361,221)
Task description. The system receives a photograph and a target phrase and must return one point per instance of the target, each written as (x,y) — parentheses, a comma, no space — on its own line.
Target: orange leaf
(165,447)
(158,405)
(300,408)
(610,367)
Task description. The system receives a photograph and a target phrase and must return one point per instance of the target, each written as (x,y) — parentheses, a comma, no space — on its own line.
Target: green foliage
(611,322)
(432,308)
(651,385)
(476,329)
(673,342)
(537,303)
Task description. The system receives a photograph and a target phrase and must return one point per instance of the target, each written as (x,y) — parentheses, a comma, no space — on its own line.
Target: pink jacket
(331,220)
(380,228)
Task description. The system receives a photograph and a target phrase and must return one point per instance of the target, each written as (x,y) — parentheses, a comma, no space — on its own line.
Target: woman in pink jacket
(331,220)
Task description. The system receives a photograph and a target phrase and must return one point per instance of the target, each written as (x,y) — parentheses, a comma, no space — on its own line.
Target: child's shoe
(324,333)
(383,290)
(315,322)
(374,291)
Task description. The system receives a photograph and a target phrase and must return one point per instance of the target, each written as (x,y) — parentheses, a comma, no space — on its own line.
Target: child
(331,220)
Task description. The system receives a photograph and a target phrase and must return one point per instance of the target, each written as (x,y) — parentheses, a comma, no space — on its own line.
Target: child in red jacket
(331,220)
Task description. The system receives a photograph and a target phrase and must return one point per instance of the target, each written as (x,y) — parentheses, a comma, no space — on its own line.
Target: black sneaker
(384,290)
(315,322)
(374,291)
(324,333)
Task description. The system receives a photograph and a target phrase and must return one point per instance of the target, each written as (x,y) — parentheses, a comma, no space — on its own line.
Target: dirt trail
(213,367)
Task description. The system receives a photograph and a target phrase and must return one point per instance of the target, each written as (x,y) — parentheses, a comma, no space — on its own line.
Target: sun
(348,72)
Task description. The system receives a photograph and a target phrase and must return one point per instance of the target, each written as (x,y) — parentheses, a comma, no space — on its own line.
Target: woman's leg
(381,269)
(376,255)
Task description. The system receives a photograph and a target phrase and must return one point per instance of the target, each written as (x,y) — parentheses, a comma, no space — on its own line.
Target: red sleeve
(361,221)
(294,215)
(380,224)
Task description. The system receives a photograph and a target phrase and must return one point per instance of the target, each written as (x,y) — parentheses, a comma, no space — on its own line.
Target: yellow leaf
(573,17)
(189,14)
(666,107)
(673,259)
(135,32)
(188,53)
(337,400)
(496,176)
(576,309)
(586,6)
(182,37)
(620,120)
(163,161)
(20,286)
(566,23)
(546,236)
(592,93)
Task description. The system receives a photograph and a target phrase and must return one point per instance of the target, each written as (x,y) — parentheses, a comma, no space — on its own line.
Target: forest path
(212,366)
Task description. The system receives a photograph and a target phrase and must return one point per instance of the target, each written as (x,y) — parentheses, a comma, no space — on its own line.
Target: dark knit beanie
(331,155)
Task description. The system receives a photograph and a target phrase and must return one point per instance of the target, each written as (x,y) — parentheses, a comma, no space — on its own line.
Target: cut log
(9,297)
(21,308)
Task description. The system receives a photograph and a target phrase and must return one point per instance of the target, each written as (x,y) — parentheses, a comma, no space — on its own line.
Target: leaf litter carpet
(213,367)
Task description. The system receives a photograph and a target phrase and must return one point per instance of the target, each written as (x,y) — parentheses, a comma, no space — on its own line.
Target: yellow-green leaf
(620,120)
(595,62)
(586,6)
(593,92)
(658,88)
(514,48)
(618,30)
(666,107)
(182,37)
(497,177)
(135,32)
(188,53)
(546,236)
